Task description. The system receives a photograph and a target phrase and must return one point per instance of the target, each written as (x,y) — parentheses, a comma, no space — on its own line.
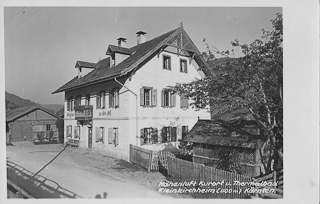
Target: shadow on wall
(38,186)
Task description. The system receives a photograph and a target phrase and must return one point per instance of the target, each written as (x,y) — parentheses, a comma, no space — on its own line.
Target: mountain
(53,107)
(14,101)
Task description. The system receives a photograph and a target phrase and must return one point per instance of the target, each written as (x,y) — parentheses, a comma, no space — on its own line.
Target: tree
(253,82)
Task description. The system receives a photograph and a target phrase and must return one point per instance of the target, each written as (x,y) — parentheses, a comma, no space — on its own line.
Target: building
(32,123)
(211,139)
(126,98)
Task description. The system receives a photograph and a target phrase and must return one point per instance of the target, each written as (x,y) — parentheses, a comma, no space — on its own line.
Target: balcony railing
(84,112)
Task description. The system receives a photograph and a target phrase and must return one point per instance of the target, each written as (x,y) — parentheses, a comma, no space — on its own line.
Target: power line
(25,19)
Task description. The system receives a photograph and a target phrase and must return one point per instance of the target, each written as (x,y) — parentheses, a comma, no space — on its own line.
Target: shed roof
(138,54)
(16,113)
(220,133)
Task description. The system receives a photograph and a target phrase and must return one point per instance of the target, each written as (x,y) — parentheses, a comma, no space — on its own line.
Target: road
(75,171)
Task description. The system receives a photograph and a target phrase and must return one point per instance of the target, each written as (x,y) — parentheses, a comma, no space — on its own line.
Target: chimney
(122,42)
(141,37)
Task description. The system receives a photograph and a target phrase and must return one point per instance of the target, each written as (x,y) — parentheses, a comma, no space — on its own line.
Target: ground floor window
(169,134)
(69,131)
(77,132)
(113,136)
(100,134)
(149,135)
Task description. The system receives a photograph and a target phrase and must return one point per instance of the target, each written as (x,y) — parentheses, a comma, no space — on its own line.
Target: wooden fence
(141,156)
(188,171)
(149,159)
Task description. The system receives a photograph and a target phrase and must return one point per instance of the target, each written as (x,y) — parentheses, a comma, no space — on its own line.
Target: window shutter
(163,135)
(117,98)
(173,99)
(186,103)
(116,137)
(141,136)
(169,63)
(71,105)
(182,101)
(154,97)
(110,135)
(174,134)
(110,99)
(103,135)
(97,134)
(162,98)
(141,97)
(70,130)
(68,105)
(75,131)
(97,101)
(103,105)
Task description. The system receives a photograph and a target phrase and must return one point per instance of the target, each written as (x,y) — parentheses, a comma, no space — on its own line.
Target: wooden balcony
(84,112)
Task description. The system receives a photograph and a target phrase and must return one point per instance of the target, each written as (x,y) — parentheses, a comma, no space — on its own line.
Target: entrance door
(89,137)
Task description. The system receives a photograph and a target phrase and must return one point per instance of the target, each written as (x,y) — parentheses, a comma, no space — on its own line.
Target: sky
(42,44)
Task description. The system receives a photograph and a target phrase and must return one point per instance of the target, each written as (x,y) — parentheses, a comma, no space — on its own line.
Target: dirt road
(85,173)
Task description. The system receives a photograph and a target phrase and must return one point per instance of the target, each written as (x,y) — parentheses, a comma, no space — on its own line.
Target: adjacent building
(32,123)
(217,141)
(127,97)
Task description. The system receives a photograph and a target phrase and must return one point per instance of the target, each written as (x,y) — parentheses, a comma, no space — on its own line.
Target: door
(21,131)
(89,137)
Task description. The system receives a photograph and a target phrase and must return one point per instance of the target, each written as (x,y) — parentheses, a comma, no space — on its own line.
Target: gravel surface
(87,173)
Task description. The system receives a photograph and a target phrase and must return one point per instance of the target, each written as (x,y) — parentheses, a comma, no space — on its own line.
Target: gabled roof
(118,49)
(16,113)
(139,54)
(216,133)
(85,64)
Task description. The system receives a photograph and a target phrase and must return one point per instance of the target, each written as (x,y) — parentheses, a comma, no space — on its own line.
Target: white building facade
(126,99)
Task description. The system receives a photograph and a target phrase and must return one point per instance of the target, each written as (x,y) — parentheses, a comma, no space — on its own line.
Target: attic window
(166,62)
(183,66)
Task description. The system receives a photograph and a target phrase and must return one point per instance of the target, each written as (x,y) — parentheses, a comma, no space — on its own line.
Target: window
(169,134)
(77,132)
(87,101)
(48,127)
(166,62)
(183,66)
(185,131)
(70,104)
(114,98)
(168,99)
(184,102)
(69,131)
(77,101)
(101,100)
(149,135)
(113,136)
(100,134)
(148,96)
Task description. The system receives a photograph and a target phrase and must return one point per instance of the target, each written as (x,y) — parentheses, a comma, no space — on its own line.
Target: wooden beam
(162,48)
(191,58)
(193,51)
